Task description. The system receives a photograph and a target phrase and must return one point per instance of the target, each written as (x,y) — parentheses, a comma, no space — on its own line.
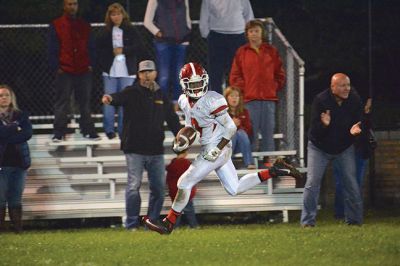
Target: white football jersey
(201,115)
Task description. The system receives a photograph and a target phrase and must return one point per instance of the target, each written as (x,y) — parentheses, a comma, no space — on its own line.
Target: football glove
(212,154)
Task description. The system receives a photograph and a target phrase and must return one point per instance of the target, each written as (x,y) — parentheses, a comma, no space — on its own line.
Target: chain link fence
(290,108)
(24,66)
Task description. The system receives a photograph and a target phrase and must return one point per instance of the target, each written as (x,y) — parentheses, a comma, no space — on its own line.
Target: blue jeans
(262,115)
(189,214)
(170,60)
(154,165)
(361,164)
(317,162)
(113,85)
(221,51)
(241,143)
(12,184)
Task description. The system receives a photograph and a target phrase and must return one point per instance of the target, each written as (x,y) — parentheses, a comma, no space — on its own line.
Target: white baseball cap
(147,65)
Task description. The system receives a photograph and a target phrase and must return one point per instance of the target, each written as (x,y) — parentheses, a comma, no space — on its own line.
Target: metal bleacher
(78,178)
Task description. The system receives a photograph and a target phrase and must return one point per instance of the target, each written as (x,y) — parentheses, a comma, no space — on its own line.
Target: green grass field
(377,242)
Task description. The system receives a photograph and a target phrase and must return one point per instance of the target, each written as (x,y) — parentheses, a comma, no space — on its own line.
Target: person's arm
(279,72)
(7,130)
(149,17)
(135,46)
(247,10)
(230,129)
(119,98)
(236,77)
(246,123)
(53,48)
(25,130)
(317,128)
(204,24)
(188,20)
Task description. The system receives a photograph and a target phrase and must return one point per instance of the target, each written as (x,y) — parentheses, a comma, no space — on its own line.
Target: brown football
(186,134)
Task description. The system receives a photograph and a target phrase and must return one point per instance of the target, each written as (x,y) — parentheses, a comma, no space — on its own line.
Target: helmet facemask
(196,86)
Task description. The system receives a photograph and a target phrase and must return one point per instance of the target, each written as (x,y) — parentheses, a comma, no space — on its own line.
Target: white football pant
(226,173)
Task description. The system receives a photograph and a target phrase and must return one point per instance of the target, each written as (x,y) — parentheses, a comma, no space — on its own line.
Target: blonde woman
(120,50)
(241,140)
(15,131)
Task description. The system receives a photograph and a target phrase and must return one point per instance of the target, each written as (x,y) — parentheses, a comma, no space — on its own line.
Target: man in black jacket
(145,110)
(335,121)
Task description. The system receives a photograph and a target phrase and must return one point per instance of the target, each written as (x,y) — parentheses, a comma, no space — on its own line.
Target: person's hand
(326,118)
(356,129)
(118,50)
(159,34)
(236,121)
(60,71)
(106,99)
(212,154)
(90,69)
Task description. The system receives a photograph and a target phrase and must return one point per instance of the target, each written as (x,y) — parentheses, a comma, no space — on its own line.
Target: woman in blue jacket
(15,131)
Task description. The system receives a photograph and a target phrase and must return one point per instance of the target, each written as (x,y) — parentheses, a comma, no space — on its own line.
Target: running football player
(206,111)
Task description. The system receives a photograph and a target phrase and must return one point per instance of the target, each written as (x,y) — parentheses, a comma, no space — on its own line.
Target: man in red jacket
(257,70)
(71,57)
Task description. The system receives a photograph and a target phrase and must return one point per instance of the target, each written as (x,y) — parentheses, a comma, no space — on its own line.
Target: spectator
(145,110)
(362,153)
(169,22)
(335,120)
(71,57)
(222,23)
(257,70)
(15,131)
(120,49)
(175,169)
(240,115)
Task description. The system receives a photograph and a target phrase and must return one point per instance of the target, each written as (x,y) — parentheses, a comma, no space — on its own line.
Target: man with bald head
(335,122)
(71,57)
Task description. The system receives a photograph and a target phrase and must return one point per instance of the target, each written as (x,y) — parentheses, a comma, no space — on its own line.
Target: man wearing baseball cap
(145,110)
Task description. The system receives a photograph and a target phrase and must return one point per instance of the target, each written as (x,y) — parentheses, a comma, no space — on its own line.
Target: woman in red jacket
(257,70)
(241,140)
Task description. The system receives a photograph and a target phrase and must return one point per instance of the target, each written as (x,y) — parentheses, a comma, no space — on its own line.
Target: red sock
(264,175)
(172,216)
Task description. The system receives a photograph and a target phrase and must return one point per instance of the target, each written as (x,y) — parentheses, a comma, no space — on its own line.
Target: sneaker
(165,227)
(111,135)
(92,136)
(57,138)
(307,226)
(282,168)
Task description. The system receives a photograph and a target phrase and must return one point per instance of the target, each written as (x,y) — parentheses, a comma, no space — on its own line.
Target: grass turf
(377,242)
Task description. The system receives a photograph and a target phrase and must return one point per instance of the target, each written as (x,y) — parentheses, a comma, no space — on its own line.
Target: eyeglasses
(5,95)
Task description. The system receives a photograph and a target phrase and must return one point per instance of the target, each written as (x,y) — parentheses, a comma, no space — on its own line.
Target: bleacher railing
(23,65)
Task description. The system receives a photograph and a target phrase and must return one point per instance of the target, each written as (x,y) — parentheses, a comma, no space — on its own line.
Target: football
(186,136)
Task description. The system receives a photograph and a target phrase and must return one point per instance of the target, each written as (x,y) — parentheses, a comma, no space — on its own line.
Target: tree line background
(331,36)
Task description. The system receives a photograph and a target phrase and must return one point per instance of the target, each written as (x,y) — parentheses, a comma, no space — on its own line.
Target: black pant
(221,51)
(81,86)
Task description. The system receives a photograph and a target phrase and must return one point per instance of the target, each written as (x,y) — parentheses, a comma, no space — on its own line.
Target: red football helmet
(194,80)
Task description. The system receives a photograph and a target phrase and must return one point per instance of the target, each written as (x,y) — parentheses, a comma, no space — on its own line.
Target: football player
(206,111)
